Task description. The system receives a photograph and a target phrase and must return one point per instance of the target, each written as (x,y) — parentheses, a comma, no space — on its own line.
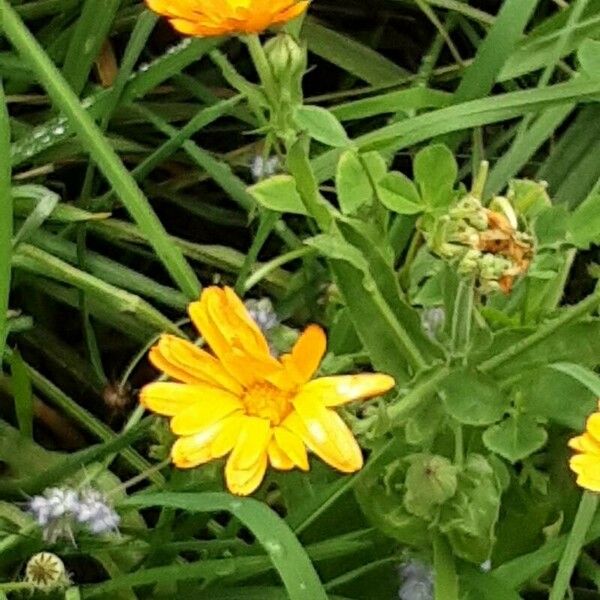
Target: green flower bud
(288,62)
(469,263)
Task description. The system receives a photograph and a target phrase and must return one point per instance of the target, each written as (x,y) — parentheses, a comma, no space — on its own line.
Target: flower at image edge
(208,18)
(586,463)
(242,401)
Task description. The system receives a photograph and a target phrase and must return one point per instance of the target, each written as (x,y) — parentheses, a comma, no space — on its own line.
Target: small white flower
(261,168)
(417,581)
(59,510)
(432,321)
(263,313)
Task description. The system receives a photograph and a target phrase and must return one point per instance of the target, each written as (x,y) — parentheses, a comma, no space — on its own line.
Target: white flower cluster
(263,313)
(59,510)
(261,168)
(417,581)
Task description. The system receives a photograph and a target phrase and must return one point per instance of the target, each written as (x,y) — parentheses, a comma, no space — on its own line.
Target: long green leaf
(286,552)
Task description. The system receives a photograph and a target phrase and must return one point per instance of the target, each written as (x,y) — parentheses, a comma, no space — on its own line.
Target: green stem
(267,222)
(262,66)
(462,316)
(99,148)
(6,221)
(446,579)
(16,586)
(264,270)
(544,331)
(583,519)
(410,402)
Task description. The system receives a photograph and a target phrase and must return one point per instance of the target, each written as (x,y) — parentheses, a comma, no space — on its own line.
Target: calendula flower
(206,18)
(244,402)
(586,463)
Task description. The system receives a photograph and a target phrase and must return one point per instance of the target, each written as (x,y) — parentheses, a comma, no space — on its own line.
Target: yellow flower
(244,402)
(208,18)
(586,463)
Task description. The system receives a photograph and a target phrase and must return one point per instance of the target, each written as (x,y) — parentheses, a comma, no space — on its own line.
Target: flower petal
(223,320)
(308,352)
(278,458)
(592,425)
(169,399)
(247,462)
(585,443)
(335,391)
(185,361)
(190,451)
(244,482)
(226,438)
(326,434)
(587,467)
(211,408)
(293,446)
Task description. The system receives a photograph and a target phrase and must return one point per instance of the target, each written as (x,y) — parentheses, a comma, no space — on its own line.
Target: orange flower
(206,18)
(244,402)
(586,463)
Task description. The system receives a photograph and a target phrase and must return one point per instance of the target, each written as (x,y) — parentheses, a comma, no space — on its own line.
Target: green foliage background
(125,184)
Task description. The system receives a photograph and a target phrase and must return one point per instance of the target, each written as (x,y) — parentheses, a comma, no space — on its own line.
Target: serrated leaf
(353,186)
(435,172)
(321,125)
(430,481)
(473,398)
(469,517)
(399,194)
(279,193)
(515,438)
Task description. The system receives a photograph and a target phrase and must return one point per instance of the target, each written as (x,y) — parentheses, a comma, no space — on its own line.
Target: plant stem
(446,580)
(544,331)
(583,519)
(261,64)
(6,221)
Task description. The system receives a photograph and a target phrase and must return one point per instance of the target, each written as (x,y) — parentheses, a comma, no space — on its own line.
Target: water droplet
(227,567)
(46,140)
(38,133)
(236,505)
(58,130)
(273,547)
(303,586)
(144,67)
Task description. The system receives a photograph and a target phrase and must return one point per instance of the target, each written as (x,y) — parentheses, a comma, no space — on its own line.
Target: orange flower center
(268,402)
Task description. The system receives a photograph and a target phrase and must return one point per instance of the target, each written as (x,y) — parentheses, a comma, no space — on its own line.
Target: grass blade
(100,150)
(286,552)
(6,221)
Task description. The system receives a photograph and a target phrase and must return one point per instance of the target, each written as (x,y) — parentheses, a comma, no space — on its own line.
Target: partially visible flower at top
(208,18)
(586,463)
(417,581)
(244,402)
(46,572)
(261,168)
(263,313)
(58,511)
